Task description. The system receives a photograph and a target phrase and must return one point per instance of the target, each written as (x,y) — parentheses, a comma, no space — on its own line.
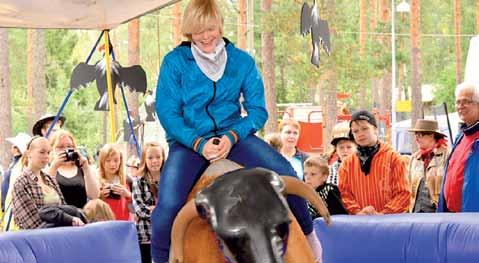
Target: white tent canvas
(472,65)
(74,14)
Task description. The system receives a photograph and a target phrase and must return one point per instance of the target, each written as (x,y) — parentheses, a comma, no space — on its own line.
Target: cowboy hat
(20,141)
(37,127)
(427,126)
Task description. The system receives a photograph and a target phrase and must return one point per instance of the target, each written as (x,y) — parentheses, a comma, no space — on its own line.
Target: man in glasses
(460,192)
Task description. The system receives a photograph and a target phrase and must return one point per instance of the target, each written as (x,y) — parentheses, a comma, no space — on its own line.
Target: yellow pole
(109,86)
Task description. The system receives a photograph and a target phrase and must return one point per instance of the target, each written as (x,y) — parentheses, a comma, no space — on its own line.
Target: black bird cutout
(319,29)
(133,77)
(150,106)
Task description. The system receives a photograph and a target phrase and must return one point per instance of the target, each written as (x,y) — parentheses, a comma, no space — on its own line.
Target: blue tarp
(103,242)
(402,238)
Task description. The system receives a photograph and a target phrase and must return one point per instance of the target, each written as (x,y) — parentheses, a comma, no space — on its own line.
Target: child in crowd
(114,189)
(344,146)
(34,189)
(145,188)
(97,210)
(316,172)
(274,139)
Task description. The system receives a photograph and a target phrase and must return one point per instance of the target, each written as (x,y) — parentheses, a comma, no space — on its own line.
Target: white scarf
(211,64)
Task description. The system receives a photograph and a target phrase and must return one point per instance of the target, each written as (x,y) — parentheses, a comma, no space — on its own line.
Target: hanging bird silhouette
(133,77)
(150,106)
(319,29)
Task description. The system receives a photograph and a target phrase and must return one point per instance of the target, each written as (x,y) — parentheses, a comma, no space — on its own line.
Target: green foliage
(296,78)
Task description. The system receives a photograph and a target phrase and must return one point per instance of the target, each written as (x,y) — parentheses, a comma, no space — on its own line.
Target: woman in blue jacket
(198,102)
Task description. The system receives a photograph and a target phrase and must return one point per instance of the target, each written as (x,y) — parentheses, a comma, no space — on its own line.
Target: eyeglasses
(421,134)
(464,102)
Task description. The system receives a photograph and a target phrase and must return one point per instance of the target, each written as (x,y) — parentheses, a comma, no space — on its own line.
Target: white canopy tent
(74,14)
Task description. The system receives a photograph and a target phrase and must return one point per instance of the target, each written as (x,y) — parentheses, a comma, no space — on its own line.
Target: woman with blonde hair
(35,189)
(199,87)
(145,188)
(77,179)
(114,188)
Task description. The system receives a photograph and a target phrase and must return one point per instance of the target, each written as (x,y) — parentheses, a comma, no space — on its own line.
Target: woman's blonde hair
(199,15)
(143,170)
(289,122)
(97,210)
(105,152)
(25,156)
(57,136)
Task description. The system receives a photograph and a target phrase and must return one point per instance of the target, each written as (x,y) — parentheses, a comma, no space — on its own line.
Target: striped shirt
(386,187)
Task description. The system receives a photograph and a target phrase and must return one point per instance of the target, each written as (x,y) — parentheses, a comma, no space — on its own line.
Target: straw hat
(427,126)
(340,132)
(20,141)
(37,127)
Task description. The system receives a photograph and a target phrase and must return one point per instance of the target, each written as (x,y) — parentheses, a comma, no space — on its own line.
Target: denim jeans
(184,167)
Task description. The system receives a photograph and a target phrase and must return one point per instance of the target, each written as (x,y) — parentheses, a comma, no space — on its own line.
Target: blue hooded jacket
(192,108)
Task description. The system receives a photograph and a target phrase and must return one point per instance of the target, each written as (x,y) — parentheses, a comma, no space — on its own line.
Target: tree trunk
(5,94)
(457,31)
(329,119)
(242,24)
(36,75)
(250,28)
(416,97)
(177,37)
(133,59)
(373,4)
(362,27)
(267,54)
(384,11)
(386,92)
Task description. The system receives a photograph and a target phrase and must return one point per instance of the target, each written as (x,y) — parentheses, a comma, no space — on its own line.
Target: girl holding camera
(77,179)
(114,189)
(145,188)
(34,189)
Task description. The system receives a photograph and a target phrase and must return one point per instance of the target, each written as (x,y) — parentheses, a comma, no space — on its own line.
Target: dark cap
(37,127)
(363,115)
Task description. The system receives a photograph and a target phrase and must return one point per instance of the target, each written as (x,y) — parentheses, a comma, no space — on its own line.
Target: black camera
(71,155)
(111,194)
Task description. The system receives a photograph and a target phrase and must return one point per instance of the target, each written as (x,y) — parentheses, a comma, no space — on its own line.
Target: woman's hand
(83,161)
(210,150)
(77,222)
(224,149)
(104,191)
(59,159)
(120,190)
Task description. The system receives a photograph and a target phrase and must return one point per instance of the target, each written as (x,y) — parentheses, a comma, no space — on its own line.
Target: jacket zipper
(208,112)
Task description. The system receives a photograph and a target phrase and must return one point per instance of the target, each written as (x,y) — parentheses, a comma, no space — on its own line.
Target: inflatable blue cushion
(402,238)
(103,242)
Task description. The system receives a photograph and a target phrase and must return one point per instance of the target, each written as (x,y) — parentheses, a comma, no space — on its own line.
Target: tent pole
(109,86)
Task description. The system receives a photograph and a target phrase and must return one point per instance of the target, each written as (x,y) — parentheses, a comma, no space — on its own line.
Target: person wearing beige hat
(426,168)
(343,148)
